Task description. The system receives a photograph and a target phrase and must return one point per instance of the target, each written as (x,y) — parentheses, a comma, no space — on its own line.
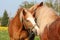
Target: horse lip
(34,31)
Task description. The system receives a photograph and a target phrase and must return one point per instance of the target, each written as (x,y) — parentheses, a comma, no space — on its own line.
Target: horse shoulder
(54,30)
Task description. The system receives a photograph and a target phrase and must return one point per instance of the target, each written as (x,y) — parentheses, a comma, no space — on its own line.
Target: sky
(12,6)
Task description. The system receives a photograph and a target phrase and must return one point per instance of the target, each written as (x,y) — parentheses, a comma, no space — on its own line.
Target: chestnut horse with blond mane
(17,26)
(47,20)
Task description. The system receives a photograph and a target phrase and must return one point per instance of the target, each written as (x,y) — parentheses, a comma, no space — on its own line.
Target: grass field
(4,34)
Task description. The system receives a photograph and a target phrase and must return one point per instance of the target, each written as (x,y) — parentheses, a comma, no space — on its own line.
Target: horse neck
(16,21)
(45,16)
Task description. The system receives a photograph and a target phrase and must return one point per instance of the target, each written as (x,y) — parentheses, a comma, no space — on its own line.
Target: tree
(49,3)
(27,5)
(5,18)
(55,4)
(0,18)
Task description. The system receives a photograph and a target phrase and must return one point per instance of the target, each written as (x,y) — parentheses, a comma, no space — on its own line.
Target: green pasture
(4,36)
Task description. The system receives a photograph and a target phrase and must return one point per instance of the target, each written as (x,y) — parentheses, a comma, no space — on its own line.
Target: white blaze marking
(31,20)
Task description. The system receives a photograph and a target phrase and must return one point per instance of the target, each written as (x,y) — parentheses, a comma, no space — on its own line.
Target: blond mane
(45,16)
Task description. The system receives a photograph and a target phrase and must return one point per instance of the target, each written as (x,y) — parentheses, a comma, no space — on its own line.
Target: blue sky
(11,6)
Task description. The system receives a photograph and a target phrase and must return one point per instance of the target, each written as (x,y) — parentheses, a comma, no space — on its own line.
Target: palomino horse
(48,22)
(17,25)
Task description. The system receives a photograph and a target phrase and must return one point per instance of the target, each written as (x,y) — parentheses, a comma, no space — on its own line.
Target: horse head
(25,16)
(29,21)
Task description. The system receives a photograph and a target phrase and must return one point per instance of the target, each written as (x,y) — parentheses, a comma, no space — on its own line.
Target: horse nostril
(32,35)
(34,31)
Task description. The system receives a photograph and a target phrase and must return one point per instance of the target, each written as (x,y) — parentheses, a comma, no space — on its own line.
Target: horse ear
(24,13)
(41,4)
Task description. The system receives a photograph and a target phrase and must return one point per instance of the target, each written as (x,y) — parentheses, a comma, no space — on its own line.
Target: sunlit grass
(36,38)
(4,35)
(3,28)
